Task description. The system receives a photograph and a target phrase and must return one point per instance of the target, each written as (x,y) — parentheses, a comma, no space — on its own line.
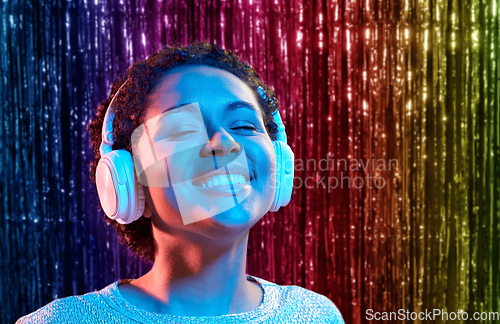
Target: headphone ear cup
(121,196)
(285,160)
(140,198)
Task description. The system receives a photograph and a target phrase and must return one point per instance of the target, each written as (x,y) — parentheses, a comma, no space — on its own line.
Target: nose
(221,144)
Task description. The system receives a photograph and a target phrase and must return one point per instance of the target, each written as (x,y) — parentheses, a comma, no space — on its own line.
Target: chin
(236,217)
(242,216)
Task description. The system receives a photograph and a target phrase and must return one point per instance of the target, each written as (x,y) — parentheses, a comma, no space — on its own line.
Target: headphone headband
(108,136)
(281,136)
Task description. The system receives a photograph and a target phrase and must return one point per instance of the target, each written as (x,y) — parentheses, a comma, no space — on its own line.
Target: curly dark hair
(143,76)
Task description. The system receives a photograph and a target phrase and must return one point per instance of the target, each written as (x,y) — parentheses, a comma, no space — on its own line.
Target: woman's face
(209,163)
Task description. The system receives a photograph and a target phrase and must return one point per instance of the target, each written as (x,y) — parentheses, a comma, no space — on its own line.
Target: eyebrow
(230,106)
(233,105)
(176,106)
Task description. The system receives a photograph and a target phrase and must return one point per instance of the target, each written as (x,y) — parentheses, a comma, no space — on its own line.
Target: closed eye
(181,135)
(249,127)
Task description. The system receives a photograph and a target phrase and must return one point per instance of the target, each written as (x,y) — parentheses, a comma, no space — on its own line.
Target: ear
(147,211)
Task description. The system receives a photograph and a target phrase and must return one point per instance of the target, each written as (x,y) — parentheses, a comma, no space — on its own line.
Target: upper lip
(233,168)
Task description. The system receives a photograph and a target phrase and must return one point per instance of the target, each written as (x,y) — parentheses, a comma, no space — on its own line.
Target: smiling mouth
(222,180)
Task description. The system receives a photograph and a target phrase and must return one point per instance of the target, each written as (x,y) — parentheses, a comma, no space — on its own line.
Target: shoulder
(58,311)
(73,309)
(309,306)
(318,305)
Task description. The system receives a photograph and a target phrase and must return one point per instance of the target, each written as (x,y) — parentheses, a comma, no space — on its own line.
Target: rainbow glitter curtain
(391,107)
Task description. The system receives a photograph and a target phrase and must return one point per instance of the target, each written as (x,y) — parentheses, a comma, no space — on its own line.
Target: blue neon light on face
(201,121)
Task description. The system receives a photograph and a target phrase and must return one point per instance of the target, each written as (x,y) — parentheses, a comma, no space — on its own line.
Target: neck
(191,278)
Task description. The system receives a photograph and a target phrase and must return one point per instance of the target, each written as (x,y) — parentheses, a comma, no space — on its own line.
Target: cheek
(271,165)
(266,176)
(161,198)
(164,205)
(265,163)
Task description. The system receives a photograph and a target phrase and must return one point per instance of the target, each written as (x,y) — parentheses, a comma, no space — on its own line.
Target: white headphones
(122,196)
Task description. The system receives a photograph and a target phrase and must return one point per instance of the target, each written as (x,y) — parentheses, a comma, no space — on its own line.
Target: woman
(201,128)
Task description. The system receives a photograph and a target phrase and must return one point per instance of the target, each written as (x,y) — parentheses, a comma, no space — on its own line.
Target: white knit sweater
(281,304)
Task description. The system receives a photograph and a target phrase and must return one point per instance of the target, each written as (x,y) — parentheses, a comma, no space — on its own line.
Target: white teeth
(220,180)
(237,178)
